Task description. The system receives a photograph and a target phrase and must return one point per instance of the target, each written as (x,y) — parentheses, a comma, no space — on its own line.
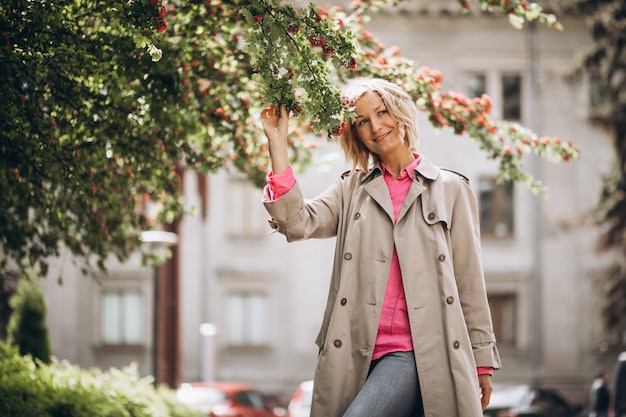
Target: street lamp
(157,242)
(536,350)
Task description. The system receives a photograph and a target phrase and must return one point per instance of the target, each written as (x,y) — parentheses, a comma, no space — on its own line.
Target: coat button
(337,343)
(450,300)
(356,216)
(456,344)
(347,256)
(442,257)
(343,301)
(431,216)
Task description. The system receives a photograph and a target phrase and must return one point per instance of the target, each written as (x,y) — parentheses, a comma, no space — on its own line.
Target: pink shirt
(394,331)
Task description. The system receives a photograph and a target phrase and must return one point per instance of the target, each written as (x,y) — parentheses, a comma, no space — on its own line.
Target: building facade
(250,304)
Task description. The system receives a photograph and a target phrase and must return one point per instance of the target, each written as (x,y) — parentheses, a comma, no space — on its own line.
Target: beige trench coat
(438,245)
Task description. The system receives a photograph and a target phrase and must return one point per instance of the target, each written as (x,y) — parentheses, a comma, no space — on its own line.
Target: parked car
(526,401)
(300,403)
(225,399)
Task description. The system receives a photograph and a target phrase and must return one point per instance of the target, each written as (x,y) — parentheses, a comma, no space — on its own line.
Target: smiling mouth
(383,136)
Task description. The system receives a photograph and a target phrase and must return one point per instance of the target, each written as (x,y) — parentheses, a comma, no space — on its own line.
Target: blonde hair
(400,106)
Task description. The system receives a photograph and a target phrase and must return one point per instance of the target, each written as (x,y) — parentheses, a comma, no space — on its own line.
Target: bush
(30,388)
(21,393)
(27,327)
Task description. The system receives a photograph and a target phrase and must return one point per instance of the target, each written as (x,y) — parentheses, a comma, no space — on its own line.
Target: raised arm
(276,127)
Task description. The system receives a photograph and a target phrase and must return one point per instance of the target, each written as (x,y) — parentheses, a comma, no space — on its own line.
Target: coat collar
(375,185)
(425,169)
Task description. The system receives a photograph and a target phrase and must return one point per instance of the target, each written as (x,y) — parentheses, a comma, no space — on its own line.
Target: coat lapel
(416,189)
(377,189)
(424,172)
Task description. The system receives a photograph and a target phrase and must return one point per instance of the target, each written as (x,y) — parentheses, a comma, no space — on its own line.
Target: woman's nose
(375,125)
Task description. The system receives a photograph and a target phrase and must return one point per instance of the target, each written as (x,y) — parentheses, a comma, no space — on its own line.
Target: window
(253,399)
(247,318)
(496,208)
(511,96)
(476,84)
(122,317)
(504,318)
(245,214)
(504,88)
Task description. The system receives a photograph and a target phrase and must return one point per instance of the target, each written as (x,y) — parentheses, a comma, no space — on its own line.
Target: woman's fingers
(283,112)
(269,119)
(486,389)
(269,114)
(276,125)
(275,122)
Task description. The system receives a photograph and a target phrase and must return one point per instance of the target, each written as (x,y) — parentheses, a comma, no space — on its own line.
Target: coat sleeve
(468,270)
(298,219)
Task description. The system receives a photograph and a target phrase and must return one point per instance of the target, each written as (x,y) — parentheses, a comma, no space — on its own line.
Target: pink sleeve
(279,184)
(485,370)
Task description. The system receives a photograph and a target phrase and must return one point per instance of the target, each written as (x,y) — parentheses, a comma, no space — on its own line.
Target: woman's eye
(382,112)
(362,122)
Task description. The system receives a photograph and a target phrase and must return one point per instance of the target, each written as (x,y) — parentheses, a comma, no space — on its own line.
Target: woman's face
(375,126)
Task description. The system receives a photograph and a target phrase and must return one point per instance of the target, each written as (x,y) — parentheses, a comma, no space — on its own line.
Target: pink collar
(409,170)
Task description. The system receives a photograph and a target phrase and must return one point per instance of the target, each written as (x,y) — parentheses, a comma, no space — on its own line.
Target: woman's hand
(275,123)
(484,381)
(276,127)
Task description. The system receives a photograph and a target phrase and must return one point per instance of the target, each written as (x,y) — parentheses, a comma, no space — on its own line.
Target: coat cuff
(487,356)
(485,351)
(284,210)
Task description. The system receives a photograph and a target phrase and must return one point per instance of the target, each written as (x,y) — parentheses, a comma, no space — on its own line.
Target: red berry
(351,63)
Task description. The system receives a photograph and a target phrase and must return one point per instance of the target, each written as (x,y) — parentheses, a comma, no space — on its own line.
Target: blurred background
(236,303)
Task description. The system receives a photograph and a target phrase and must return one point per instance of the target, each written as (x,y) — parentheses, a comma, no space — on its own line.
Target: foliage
(29,388)
(8,287)
(106,103)
(27,324)
(605,61)
(20,393)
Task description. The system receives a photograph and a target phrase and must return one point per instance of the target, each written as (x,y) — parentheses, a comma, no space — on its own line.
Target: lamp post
(536,284)
(157,241)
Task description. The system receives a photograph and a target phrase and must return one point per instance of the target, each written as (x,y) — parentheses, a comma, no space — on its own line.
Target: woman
(407,329)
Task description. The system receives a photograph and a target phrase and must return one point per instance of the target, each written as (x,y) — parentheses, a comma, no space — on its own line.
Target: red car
(225,399)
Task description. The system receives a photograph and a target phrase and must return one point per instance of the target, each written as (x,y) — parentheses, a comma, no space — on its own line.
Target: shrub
(21,392)
(27,329)
(31,388)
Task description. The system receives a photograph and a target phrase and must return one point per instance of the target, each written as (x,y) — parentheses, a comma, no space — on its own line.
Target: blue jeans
(391,389)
